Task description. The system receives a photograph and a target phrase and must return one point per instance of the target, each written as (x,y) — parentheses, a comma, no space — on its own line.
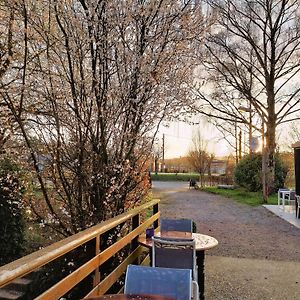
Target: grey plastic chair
(184,225)
(280,195)
(292,198)
(174,283)
(176,253)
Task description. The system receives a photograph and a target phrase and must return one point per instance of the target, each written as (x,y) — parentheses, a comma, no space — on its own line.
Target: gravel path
(258,256)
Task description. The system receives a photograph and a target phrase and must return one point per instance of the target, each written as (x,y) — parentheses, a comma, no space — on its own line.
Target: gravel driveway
(258,256)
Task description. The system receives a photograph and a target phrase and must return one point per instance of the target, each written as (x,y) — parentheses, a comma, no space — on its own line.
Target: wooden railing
(92,237)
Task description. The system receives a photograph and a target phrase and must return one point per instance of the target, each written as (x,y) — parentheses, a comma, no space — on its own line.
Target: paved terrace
(287,214)
(258,256)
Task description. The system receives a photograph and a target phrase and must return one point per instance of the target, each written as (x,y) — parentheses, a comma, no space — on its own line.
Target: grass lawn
(241,195)
(174,176)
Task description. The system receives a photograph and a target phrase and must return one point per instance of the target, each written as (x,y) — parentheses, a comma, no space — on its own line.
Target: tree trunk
(270,143)
(270,152)
(156,165)
(201,179)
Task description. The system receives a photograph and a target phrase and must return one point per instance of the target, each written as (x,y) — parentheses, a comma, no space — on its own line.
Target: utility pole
(249,109)
(250,129)
(236,144)
(264,169)
(163,153)
(240,144)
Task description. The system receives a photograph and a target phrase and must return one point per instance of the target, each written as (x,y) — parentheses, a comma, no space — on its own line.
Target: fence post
(155,210)
(96,280)
(134,243)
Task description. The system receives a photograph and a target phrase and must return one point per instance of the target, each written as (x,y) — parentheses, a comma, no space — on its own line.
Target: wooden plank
(146,261)
(109,252)
(29,263)
(107,283)
(66,284)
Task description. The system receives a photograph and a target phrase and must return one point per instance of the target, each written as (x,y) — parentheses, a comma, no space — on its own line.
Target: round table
(203,242)
(129,297)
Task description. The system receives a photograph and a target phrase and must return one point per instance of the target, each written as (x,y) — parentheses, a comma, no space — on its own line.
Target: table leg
(201,277)
(151,257)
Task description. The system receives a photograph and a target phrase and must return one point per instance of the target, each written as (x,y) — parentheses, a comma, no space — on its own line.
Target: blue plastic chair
(184,225)
(174,283)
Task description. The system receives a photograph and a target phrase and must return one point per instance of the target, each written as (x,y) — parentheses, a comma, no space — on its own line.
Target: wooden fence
(138,222)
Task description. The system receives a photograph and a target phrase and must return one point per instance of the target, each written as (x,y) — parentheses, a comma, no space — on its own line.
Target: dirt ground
(258,256)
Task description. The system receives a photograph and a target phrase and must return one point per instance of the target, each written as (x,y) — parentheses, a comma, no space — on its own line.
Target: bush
(248,173)
(11,218)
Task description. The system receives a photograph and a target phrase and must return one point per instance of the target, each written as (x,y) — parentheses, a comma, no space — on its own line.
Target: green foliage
(241,195)
(11,218)
(281,171)
(248,172)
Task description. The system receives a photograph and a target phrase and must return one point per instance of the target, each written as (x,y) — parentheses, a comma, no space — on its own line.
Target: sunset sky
(179,135)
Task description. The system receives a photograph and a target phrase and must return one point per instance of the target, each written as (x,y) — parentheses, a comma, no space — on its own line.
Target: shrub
(248,172)
(11,218)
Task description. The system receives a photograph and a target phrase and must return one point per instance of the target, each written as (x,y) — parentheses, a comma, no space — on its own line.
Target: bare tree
(294,133)
(157,155)
(199,157)
(252,61)
(8,50)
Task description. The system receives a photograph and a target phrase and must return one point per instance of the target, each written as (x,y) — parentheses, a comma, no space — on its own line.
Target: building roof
(296,145)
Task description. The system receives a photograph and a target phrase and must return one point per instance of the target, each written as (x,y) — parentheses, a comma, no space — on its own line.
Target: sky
(179,139)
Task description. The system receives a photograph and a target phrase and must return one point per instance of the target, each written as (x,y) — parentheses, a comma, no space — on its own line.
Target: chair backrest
(185,225)
(174,253)
(174,283)
(281,190)
(292,195)
(297,197)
